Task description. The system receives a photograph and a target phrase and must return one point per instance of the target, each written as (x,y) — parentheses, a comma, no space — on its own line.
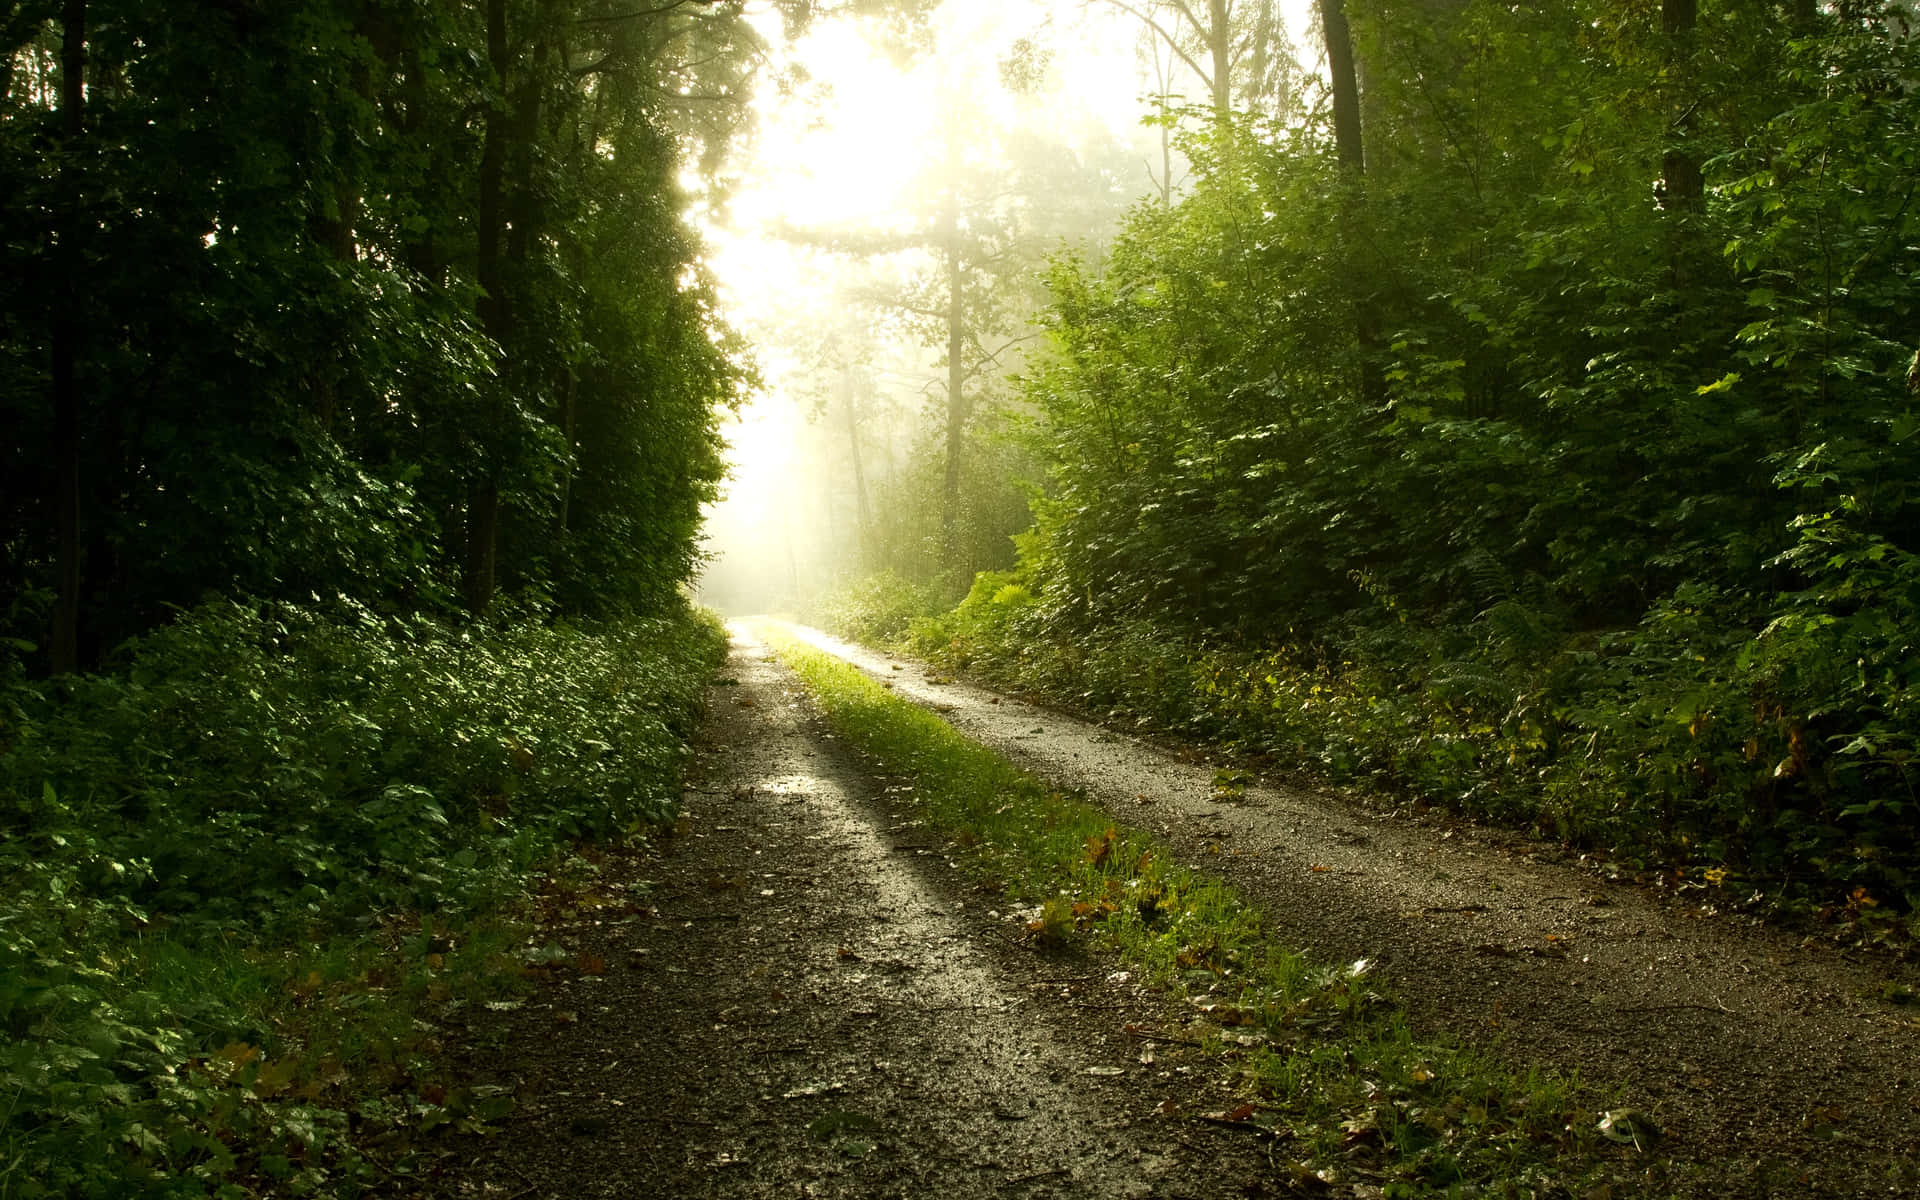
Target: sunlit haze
(853,151)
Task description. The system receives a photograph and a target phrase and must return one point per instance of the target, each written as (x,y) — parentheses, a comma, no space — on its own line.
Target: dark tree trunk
(491,216)
(1347,143)
(483,505)
(569,395)
(862,512)
(1350,151)
(64,652)
(483,535)
(1682,187)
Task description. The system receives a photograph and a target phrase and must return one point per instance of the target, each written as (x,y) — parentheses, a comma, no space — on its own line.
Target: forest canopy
(392,301)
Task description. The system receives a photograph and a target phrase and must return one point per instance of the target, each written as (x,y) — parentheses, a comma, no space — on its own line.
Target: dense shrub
(259,786)
(879,607)
(1511,478)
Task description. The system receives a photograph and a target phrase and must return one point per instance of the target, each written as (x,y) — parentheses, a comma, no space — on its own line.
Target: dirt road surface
(1773,1064)
(812,1001)
(805,997)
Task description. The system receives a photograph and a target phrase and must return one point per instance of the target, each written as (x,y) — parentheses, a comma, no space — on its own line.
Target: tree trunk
(64,652)
(1683,190)
(483,535)
(1220,44)
(483,505)
(1347,143)
(1350,151)
(956,394)
(493,168)
(569,391)
(862,512)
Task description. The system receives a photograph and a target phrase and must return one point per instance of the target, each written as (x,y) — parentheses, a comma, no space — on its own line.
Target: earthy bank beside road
(805,998)
(798,994)
(1776,1066)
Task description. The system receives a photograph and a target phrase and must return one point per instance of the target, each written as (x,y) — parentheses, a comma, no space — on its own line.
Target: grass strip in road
(1336,1072)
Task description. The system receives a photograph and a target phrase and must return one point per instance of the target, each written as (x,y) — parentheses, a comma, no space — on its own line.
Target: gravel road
(1773,1063)
(804,997)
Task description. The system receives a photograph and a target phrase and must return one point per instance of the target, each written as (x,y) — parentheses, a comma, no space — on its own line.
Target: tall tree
(1236,49)
(64,345)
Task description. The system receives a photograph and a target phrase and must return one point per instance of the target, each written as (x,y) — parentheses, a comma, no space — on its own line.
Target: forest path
(800,995)
(1772,1063)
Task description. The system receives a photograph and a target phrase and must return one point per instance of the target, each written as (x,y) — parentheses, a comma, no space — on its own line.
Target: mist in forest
(882,242)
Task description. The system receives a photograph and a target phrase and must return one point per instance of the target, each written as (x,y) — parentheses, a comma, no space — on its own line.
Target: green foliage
(262,251)
(248,816)
(1503,476)
(877,608)
(255,759)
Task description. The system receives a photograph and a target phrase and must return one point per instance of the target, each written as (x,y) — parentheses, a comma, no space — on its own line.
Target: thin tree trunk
(861,511)
(493,169)
(1220,44)
(483,535)
(483,505)
(1350,151)
(1347,143)
(956,394)
(569,391)
(1685,189)
(64,652)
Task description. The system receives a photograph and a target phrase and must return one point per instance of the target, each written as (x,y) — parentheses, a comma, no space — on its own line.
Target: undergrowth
(1336,1070)
(249,873)
(1681,749)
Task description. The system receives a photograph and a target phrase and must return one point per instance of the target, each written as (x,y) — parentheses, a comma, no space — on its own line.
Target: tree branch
(640,13)
(1164,36)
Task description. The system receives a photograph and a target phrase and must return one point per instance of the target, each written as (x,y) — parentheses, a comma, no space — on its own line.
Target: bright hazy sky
(846,155)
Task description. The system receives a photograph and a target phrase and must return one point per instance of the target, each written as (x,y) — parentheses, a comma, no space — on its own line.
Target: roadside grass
(1336,1074)
(254,884)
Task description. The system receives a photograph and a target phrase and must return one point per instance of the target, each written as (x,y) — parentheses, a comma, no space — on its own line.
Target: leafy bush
(261,794)
(1498,481)
(878,608)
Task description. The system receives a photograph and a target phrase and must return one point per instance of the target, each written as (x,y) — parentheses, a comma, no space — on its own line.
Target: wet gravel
(1772,1062)
(805,997)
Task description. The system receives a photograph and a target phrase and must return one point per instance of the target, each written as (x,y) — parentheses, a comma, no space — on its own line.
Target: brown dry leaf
(1100,847)
(233,1056)
(275,1077)
(522,757)
(591,964)
(1227,1014)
